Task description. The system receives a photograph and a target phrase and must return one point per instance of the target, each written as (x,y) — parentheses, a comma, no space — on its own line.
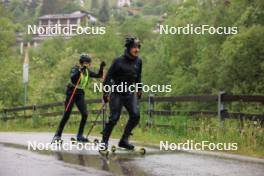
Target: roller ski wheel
(142,151)
(113,148)
(73,140)
(57,140)
(139,150)
(104,153)
(96,141)
(103,149)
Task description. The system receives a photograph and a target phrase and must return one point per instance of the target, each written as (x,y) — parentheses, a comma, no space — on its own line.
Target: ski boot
(104,142)
(123,143)
(82,139)
(56,140)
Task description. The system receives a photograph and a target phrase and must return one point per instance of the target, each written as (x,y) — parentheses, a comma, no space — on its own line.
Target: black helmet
(85,58)
(132,42)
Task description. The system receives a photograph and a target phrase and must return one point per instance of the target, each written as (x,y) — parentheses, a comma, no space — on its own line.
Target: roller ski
(137,150)
(125,146)
(81,139)
(56,140)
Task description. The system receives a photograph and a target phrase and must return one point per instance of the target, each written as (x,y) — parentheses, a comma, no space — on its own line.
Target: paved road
(16,159)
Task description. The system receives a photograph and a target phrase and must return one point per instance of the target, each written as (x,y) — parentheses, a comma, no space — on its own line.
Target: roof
(76,14)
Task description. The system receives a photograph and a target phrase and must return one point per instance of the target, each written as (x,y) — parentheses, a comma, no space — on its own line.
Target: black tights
(116,103)
(78,99)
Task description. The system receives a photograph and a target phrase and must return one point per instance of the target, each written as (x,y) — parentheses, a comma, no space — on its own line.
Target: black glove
(139,94)
(102,65)
(83,69)
(106,98)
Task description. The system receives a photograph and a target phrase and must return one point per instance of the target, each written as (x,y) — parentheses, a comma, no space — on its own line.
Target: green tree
(11,64)
(58,6)
(242,69)
(94,5)
(104,12)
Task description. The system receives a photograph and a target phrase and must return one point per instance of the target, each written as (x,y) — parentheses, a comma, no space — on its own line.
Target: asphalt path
(17,159)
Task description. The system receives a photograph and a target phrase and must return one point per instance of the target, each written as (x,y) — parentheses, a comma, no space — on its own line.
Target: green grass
(249,136)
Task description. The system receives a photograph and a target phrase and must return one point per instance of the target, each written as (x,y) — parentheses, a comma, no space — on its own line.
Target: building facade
(124,3)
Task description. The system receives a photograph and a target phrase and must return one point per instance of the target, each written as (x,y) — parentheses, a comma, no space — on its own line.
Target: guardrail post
(150,120)
(220,108)
(34,109)
(4,115)
(35,117)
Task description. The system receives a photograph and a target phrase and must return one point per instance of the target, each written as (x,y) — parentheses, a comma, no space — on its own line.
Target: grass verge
(248,135)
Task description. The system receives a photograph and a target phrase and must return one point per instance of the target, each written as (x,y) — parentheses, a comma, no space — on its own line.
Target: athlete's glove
(106,97)
(102,65)
(83,68)
(139,94)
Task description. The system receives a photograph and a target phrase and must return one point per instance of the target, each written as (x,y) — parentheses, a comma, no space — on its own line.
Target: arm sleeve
(96,75)
(75,74)
(110,73)
(138,80)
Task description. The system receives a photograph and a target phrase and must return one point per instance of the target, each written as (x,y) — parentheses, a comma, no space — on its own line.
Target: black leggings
(116,103)
(78,99)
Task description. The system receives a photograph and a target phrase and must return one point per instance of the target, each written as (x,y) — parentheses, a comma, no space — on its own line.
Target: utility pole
(25,72)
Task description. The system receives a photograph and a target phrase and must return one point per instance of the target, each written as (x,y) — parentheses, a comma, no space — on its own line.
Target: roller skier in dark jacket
(125,70)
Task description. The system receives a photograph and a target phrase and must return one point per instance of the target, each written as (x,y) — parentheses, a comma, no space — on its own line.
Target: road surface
(16,159)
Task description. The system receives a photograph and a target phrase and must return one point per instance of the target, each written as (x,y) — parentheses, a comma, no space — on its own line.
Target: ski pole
(94,123)
(72,95)
(104,110)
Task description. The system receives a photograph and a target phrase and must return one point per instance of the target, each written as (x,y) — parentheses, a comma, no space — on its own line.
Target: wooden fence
(151,100)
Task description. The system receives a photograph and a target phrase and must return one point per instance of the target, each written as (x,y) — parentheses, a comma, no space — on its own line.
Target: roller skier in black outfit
(125,69)
(79,76)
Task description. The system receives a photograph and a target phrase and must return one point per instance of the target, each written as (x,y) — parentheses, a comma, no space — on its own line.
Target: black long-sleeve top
(124,69)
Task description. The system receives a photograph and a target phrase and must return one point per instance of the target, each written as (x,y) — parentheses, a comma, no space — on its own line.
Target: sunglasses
(136,46)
